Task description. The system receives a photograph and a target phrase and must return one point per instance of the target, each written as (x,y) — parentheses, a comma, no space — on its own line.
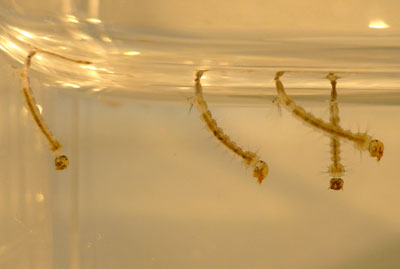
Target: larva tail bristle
(376,149)
(336,184)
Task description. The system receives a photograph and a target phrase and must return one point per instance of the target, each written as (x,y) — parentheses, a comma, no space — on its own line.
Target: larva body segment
(55,146)
(361,141)
(336,169)
(61,161)
(250,159)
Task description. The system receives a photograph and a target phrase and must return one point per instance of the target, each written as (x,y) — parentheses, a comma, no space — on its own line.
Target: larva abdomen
(361,141)
(61,161)
(260,168)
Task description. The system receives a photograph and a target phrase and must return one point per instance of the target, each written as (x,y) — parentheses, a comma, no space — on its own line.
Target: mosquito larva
(250,159)
(336,169)
(361,141)
(61,161)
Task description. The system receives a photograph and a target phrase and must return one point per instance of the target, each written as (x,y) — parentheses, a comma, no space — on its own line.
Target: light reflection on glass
(70,85)
(106,39)
(46,38)
(378,24)
(13,45)
(40,108)
(93,20)
(27,34)
(81,36)
(39,197)
(72,18)
(90,67)
(131,53)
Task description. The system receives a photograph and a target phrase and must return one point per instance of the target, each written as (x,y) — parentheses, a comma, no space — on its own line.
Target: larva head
(336,184)
(61,162)
(260,171)
(376,149)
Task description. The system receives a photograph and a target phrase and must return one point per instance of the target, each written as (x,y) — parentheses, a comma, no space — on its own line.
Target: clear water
(148,185)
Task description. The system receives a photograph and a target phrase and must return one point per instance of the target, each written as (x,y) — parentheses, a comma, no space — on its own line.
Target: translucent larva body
(361,141)
(61,161)
(250,159)
(336,169)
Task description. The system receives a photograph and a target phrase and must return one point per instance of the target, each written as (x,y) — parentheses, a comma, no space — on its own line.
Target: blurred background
(148,185)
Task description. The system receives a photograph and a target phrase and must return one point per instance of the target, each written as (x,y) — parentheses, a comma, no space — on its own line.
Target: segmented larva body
(61,161)
(250,159)
(336,169)
(362,141)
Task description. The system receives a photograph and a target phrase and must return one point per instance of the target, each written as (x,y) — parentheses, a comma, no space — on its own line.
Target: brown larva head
(376,149)
(61,162)
(336,184)
(260,171)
